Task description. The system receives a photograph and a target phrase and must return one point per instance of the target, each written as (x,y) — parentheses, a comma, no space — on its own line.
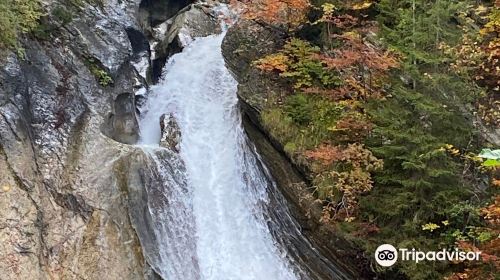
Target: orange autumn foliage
(361,64)
(490,250)
(355,52)
(350,174)
(353,127)
(277,12)
(478,55)
(491,213)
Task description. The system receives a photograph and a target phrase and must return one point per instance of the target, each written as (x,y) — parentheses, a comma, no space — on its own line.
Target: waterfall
(223,200)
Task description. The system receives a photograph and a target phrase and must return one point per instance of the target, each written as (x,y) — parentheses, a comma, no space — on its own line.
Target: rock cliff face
(243,44)
(71,186)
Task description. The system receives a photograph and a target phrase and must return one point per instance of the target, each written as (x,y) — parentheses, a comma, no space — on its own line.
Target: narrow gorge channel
(219,215)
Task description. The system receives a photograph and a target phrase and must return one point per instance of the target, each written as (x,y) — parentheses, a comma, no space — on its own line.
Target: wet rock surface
(170,133)
(67,113)
(172,35)
(154,12)
(80,201)
(122,124)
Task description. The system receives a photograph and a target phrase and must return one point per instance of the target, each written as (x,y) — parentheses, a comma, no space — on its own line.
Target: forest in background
(389,108)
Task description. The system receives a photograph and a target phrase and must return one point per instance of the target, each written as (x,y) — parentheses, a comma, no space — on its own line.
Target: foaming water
(224,198)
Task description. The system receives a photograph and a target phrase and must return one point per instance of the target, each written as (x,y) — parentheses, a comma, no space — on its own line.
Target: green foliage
(419,182)
(426,196)
(413,124)
(103,77)
(17,17)
(99,73)
(417,27)
(304,68)
(307,110)
(299,109)
(62,14)
(44,30)
(422,185)
(299,62)
(303,122)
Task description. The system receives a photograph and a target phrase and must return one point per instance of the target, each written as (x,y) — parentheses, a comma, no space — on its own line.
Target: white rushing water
(225,193)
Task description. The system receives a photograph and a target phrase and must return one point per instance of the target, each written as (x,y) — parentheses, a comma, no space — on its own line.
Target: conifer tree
(421,181)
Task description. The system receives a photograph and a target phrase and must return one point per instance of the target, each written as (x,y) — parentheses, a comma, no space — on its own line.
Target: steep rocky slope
(73,188)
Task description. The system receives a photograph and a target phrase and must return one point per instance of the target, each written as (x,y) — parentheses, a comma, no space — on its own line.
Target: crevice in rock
(138,40)
(73,203)
(39,223)
(141,55)
(159,63)
(154,12)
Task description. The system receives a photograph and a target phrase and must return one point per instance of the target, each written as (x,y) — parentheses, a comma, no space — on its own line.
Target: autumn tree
(288,13)
(478,57)
(346,169)
(486,242)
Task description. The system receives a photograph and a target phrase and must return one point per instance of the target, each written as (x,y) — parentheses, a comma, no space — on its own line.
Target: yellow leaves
(362,6)
(328,8)
(493,24)
(273,62)
(481,10)
(450,149)
(353,35)
(430,227)
(349,219)
(478,57)
(288,12)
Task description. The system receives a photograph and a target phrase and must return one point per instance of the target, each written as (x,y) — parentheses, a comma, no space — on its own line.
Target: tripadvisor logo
(387,255)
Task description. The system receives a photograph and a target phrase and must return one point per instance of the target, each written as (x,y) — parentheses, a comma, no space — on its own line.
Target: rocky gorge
(78,196)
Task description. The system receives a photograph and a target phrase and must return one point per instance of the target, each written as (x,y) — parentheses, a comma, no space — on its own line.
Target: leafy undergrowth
(381,110)
(17,17)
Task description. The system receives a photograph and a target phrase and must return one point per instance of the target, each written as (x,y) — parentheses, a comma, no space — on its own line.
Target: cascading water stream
(224,188)
(215,210)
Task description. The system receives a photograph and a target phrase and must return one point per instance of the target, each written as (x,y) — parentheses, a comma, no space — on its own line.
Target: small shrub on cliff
(303,121)
(99,73)
(62,14)
(17,17)
(346,170)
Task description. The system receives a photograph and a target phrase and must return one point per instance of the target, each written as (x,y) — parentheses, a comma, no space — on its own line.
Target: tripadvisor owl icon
(386,255)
